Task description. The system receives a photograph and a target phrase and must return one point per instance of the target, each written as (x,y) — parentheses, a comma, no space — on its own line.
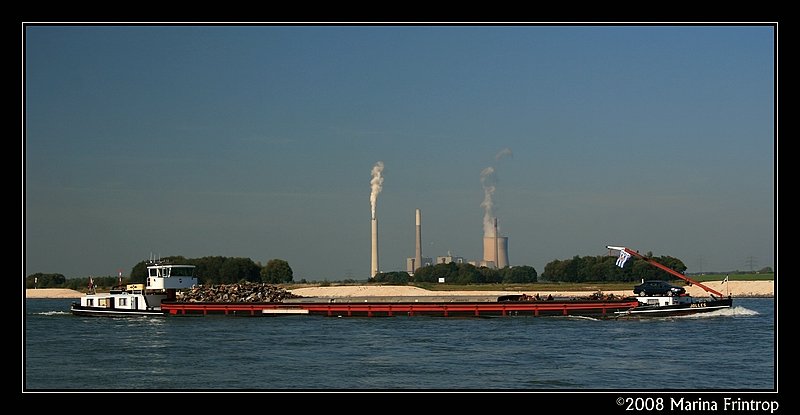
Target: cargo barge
(158,297)
(504,306)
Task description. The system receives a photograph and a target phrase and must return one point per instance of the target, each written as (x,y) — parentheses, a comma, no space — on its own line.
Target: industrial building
(495,251)
(418,260)
(449,258)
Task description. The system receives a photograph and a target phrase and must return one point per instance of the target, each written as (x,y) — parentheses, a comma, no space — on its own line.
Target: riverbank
(52,293)
(734,288)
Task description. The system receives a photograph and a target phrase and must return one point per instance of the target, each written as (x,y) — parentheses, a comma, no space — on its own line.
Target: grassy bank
(735,277)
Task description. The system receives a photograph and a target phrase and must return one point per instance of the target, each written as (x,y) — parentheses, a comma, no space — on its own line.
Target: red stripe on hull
(536,309)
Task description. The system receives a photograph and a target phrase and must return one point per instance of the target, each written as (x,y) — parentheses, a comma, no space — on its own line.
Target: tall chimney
(496,248)
(495,251)
(502,251)
(418,244)
(374,269)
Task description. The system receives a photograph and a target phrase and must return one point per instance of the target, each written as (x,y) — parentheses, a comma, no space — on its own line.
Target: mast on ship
(625,253)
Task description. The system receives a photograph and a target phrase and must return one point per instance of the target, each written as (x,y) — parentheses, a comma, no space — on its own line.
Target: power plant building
(495,252)
(418,260)
(374,269)
(449,258)
(411,264)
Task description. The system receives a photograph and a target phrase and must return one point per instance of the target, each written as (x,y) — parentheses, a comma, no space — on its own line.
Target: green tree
(209,269)
(396,278)
(519,274)
(672,263)
(237,269)
(139,273)
(447,271)
(554,270)
(277,271)
(490,276)
(424,274)
(40,280)
(75,284)
(467,274)
(604,268)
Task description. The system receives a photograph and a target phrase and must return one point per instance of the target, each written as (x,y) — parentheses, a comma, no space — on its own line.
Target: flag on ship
(623,257)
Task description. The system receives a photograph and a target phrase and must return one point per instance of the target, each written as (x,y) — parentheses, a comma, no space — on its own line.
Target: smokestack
(374,269)
(496,248)
(418,244)
(502,252)
(376,185)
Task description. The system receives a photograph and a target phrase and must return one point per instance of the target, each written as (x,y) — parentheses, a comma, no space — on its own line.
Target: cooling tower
(374,268)
(418,244)
(495,250)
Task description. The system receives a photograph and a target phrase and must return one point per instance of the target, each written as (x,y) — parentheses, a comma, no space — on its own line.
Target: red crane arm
(667,269)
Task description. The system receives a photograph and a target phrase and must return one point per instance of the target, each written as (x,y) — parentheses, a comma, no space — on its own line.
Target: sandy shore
(52,293)
(735,288)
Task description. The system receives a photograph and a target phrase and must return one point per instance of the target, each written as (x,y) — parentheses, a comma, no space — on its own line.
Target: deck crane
(629,252)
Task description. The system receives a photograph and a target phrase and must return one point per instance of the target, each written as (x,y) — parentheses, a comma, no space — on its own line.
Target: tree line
(604,268)
(577,269)
(226,270)
(208,270)
(454,273)
(55,280)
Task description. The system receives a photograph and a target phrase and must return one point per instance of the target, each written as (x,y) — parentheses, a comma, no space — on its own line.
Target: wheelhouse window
(181,271)
(123,301)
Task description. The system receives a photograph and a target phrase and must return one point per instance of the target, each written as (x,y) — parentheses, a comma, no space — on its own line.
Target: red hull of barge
(472,309)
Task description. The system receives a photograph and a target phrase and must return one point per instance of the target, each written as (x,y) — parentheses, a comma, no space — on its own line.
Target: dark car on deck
(657,288)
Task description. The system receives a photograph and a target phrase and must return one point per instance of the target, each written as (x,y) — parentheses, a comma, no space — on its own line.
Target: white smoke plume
(376,185)
(488,182)
(502,153)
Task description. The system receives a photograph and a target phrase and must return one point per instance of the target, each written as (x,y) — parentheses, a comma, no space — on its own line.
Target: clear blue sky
(258,142)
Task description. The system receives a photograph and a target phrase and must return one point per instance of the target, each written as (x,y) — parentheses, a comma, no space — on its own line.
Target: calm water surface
(66,352)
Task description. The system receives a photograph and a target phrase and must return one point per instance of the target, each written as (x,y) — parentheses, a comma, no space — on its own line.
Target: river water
(62,352)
